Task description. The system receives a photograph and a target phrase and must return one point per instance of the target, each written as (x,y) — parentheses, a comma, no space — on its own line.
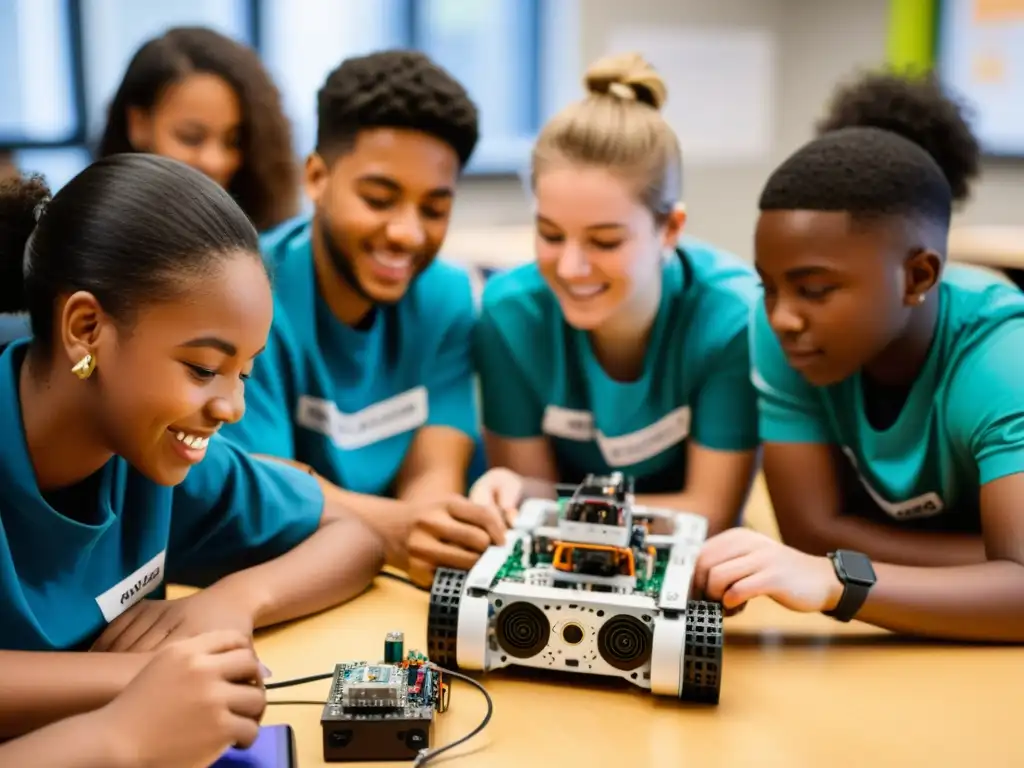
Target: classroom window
(514,57)
(110,32)
(517,58)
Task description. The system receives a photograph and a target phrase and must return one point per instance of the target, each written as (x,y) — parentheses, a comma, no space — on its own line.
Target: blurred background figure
(200,97)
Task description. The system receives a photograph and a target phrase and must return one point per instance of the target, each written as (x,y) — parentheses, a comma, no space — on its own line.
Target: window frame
(78,135)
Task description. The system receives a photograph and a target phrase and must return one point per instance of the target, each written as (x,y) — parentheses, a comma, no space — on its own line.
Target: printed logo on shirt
(372,424)
(123,595)
(925,505)
(623,450)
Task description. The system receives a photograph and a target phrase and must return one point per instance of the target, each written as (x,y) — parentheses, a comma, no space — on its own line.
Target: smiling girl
(149,301)
(622,347)
(200,97)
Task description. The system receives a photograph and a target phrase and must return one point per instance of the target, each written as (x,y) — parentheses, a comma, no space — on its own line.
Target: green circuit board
(514,570)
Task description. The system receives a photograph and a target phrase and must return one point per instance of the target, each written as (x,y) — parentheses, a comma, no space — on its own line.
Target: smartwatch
(854,570)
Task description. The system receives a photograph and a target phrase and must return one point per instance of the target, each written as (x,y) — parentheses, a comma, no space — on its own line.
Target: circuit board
(406,689)
(515,570)
(383,710)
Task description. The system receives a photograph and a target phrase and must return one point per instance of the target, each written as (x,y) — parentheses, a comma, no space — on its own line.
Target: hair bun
(915,106)
(626,76)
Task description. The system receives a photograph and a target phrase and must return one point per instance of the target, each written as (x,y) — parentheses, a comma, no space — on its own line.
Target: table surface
(499,247)
(1001,247)
(798,690)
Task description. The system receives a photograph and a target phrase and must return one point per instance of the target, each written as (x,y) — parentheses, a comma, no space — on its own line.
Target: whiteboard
(722,87)
(980,58)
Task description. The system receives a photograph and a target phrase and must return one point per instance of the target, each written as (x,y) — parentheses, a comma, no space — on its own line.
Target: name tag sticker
(622,450)
(377,422)
(123,595)
(568,423)
(925,505)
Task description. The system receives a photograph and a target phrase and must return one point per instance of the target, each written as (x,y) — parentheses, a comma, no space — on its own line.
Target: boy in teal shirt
(891,407)
(621,348)
(367,377)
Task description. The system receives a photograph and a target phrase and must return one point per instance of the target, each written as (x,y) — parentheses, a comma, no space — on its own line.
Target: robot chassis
(594,585)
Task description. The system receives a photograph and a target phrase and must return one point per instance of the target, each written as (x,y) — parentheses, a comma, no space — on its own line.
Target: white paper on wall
(721,87)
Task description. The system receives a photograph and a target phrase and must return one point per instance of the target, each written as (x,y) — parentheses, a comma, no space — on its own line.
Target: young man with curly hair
(367,377)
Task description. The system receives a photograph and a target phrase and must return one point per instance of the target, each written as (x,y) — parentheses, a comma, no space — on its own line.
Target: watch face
(857,567)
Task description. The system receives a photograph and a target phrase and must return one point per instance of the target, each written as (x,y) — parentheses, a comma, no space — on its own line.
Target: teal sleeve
(725,407)
(510,407)
(789,409)
(234,511)
(451,391)
(985,404)
(270,398)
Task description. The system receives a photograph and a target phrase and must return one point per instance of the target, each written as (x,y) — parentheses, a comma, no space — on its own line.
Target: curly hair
(266,185)
(889,144)
(394,89)
(915,106)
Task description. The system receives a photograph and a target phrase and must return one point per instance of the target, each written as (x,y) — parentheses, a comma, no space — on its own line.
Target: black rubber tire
(443,617)
(702,653)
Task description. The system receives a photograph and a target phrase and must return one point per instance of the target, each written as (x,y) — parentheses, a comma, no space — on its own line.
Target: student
(892,411)
(148,301)
(205,99)
(193,701)
(368,377)
(623,347)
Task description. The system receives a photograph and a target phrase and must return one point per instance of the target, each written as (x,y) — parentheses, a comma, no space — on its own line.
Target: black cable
(426,755)
(298,681)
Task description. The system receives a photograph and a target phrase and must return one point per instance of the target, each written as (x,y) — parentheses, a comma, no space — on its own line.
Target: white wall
(819,42)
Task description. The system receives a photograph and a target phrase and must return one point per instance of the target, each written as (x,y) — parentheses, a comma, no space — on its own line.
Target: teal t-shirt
(74,560)
(960,426)
(540,377)
(348,401)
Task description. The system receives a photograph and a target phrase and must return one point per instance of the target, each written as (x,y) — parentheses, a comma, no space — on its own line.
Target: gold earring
(83,368)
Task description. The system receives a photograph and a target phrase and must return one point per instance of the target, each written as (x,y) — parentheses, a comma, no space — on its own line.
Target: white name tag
(624,450)
(372,424)
(567,423)
(925,505)
(123,595)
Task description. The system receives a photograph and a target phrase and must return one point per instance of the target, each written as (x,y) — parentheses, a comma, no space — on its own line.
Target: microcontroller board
(384,710)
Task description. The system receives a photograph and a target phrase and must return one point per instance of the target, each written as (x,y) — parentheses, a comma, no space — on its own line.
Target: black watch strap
(854,570)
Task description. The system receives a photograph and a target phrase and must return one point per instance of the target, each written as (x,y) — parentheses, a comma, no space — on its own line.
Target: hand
(501,489)
(152,624)
(195,699)
(451,534)
(740,564)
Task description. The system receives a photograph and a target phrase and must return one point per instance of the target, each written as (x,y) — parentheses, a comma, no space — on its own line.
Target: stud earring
(919,299)
(83,368)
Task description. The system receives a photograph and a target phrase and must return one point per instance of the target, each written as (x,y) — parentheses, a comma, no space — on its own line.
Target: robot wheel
(702,654)
(443,617)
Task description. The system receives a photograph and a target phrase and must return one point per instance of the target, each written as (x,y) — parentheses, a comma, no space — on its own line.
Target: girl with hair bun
(623,347)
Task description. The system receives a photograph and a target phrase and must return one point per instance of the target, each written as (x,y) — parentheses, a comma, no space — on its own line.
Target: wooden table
(988,246)
(798,690)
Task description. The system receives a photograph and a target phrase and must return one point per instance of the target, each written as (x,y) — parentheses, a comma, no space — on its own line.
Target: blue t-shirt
(960,426)
(540,377)
(73,560)
(348,401)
